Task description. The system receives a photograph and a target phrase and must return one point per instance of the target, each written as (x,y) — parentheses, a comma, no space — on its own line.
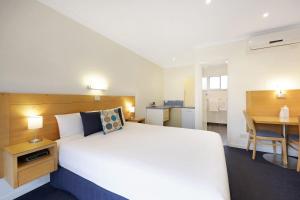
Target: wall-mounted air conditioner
(275,39)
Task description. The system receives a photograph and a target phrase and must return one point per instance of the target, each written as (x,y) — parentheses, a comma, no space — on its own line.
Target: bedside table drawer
(40,169)
(18,171)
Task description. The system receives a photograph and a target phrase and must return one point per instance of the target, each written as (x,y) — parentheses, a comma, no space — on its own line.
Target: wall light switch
(97,98)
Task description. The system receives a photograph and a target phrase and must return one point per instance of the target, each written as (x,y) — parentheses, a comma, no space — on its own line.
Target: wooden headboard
(266,103)
(14,109)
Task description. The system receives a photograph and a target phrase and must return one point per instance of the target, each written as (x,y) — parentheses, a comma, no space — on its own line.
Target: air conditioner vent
(275,39)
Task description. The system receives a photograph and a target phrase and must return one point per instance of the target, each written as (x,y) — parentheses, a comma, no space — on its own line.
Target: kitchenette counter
(171,115)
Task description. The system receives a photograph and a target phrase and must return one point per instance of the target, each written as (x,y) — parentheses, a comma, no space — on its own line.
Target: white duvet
(145,162)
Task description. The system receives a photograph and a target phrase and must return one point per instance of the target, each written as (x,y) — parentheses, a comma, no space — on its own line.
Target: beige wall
(174,81)
(42,51)
(189,91)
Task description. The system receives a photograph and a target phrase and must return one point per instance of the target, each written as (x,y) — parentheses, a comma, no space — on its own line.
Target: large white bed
(145,162)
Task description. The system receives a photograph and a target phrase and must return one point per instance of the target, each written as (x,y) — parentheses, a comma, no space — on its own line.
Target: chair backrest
(299,128)
(250,124)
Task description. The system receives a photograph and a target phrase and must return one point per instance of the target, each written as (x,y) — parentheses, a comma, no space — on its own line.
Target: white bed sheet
(145,162)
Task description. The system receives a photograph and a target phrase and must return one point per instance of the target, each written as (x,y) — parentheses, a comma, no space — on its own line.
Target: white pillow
(69,124)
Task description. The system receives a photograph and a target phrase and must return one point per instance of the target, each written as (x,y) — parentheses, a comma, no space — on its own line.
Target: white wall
(252,70)
(200,118)
(41,51)
(215,70)
(174,81)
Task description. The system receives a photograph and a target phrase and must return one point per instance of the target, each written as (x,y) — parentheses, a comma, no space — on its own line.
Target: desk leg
(285,137)
(284,130)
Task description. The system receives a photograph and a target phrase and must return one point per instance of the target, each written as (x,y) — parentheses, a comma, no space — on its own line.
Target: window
(204,83)
(224,81)
(214,82)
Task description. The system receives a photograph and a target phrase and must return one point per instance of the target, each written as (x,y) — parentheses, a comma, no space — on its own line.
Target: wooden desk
(274,120)
(292,121)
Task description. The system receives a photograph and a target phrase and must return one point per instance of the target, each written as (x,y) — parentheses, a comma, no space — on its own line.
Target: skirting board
(8,193)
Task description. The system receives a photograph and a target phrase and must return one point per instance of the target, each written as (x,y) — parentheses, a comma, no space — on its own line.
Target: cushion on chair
(293,136)
(268,134)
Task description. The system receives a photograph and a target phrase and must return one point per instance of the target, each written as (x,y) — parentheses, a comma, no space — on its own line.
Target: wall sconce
(280,94)
(35,122)
(97,85)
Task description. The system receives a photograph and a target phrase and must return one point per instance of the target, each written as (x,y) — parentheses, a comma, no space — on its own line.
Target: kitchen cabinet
(175,118)
(188,118)
(157,116)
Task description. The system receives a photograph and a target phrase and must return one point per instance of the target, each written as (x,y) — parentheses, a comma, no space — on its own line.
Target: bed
(146,162)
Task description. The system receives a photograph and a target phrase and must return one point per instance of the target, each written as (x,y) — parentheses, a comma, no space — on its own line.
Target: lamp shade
(35,122)
(131,109)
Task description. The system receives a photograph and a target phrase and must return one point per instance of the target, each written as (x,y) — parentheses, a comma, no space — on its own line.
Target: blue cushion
(293,136)
(91,122)
(268,134)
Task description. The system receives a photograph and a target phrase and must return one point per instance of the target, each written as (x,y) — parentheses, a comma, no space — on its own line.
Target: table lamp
(131,110)
(35,122)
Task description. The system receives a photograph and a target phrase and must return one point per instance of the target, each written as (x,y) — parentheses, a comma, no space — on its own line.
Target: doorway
(214,89)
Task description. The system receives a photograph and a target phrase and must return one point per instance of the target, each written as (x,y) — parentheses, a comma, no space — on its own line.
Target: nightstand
(137,120)
(18,172)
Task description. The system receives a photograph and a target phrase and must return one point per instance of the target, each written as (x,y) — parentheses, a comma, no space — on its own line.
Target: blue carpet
(248,180)
(259,179)
(46,192)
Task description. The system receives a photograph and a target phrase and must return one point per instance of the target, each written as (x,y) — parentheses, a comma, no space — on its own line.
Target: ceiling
(166,32)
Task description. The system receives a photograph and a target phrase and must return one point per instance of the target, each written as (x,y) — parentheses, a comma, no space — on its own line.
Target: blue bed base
(81,188)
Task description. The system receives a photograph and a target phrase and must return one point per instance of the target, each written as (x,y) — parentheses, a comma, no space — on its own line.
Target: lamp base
(35,140)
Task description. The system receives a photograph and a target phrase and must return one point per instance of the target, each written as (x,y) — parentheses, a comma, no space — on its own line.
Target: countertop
(167,107)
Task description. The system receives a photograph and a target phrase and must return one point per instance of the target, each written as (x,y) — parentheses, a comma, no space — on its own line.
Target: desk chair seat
(268,134)
(255,136)
(293,137)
